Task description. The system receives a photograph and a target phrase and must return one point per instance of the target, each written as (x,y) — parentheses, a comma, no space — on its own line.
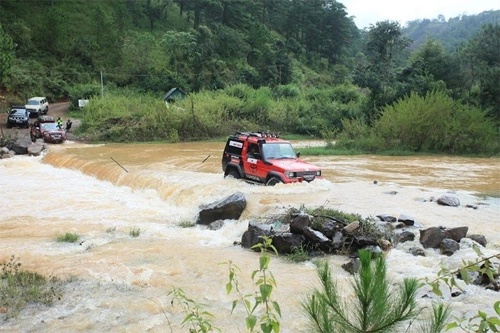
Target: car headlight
(318,173)
(290,174)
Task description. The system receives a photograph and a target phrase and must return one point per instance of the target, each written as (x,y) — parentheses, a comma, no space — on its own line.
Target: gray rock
(432,237)
(352,266)
(409,221)
(216,225)
(417,251)
(351,227)
(287,243)
(387,218)
(35,149)
(457,233)
(449,246)
(300,223)
(230,208)
(479,239)
(253,235)
(21,146)
(405,236)
(448,200)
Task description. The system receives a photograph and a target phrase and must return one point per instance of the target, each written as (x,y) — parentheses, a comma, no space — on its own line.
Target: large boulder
(433,237)
(229,208)
(21,146)
(253,235)
(36,149)
(287,243)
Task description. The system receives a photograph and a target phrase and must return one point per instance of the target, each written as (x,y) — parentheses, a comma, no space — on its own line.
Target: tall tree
(378,69)
(154,9)
(484,50)
(6,53)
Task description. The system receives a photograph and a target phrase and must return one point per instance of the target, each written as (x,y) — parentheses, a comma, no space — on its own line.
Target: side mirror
(298,154)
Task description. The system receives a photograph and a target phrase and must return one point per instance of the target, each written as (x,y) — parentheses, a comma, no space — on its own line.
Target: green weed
(186,224)
(68,237)
(135,232)
(19,287)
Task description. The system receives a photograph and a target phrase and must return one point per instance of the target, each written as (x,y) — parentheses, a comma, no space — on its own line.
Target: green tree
(154,10)
(484,62)
(6,54)
(377,71)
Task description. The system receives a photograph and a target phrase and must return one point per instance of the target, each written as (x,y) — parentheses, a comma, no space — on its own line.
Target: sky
(368,12)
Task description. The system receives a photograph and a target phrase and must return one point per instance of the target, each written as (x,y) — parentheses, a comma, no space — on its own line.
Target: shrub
(68,237)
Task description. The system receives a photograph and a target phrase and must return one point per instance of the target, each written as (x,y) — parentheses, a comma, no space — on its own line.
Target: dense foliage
(298,66)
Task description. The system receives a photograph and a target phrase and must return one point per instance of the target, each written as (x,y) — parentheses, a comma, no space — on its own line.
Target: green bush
(68,237)
(434,123)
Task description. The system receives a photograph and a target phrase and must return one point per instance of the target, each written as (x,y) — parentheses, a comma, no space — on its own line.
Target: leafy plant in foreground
(196,316)
(482,267)
(265,282)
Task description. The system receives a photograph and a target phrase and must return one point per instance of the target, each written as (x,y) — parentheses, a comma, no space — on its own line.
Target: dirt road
(55,110)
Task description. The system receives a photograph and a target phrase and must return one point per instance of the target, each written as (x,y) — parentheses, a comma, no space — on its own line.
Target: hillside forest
(290,66)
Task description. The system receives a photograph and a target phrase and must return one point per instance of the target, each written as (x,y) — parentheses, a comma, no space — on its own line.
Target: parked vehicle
(35,132)
(50,132)
(37,106)
(18,116)
(264,158)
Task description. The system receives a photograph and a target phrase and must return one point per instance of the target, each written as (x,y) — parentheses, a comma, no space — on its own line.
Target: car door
(253,166)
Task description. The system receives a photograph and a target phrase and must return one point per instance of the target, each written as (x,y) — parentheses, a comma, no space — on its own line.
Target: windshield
(278,150)
(49,126)
(31,102)
(18,112)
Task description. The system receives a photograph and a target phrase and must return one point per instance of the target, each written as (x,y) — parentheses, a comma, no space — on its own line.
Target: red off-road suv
(265,158)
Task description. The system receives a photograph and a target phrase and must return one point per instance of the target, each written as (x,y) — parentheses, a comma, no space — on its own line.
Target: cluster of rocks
(320,235)
(23,147)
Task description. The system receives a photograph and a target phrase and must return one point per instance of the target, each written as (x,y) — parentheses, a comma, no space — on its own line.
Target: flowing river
(120,283)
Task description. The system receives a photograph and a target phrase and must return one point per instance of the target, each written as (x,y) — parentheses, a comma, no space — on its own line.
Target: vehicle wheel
(232,174)
(273,181)
(9,125)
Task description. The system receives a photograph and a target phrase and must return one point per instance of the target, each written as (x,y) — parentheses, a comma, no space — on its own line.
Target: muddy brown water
(102,192)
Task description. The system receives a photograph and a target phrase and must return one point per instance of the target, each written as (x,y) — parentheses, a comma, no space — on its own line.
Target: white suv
(37,106)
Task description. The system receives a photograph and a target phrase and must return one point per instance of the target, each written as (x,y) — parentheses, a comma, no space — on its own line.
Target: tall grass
(19,287)
(134,117)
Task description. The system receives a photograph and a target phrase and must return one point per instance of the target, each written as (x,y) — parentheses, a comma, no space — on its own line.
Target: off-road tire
(273,181)
(232,173)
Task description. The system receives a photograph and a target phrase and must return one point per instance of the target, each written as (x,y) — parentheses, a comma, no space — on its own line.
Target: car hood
(291,164)
(53,132)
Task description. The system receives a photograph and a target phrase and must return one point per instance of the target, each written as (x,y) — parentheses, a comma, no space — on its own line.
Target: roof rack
(260,134)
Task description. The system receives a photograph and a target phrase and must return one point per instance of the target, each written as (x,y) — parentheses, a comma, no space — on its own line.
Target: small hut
(173,95)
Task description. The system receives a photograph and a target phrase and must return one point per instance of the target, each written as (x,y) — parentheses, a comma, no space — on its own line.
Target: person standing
(59,122)
(68,125)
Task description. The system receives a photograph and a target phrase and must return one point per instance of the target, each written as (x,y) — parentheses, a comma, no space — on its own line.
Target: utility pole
(102,86)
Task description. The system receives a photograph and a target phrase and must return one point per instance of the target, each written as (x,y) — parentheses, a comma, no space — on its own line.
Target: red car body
(51,133)
(265,158)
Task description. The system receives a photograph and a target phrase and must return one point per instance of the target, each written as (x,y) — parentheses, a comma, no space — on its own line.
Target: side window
(254,151)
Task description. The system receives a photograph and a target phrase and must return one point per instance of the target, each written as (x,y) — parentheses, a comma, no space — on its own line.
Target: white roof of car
(36,98)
